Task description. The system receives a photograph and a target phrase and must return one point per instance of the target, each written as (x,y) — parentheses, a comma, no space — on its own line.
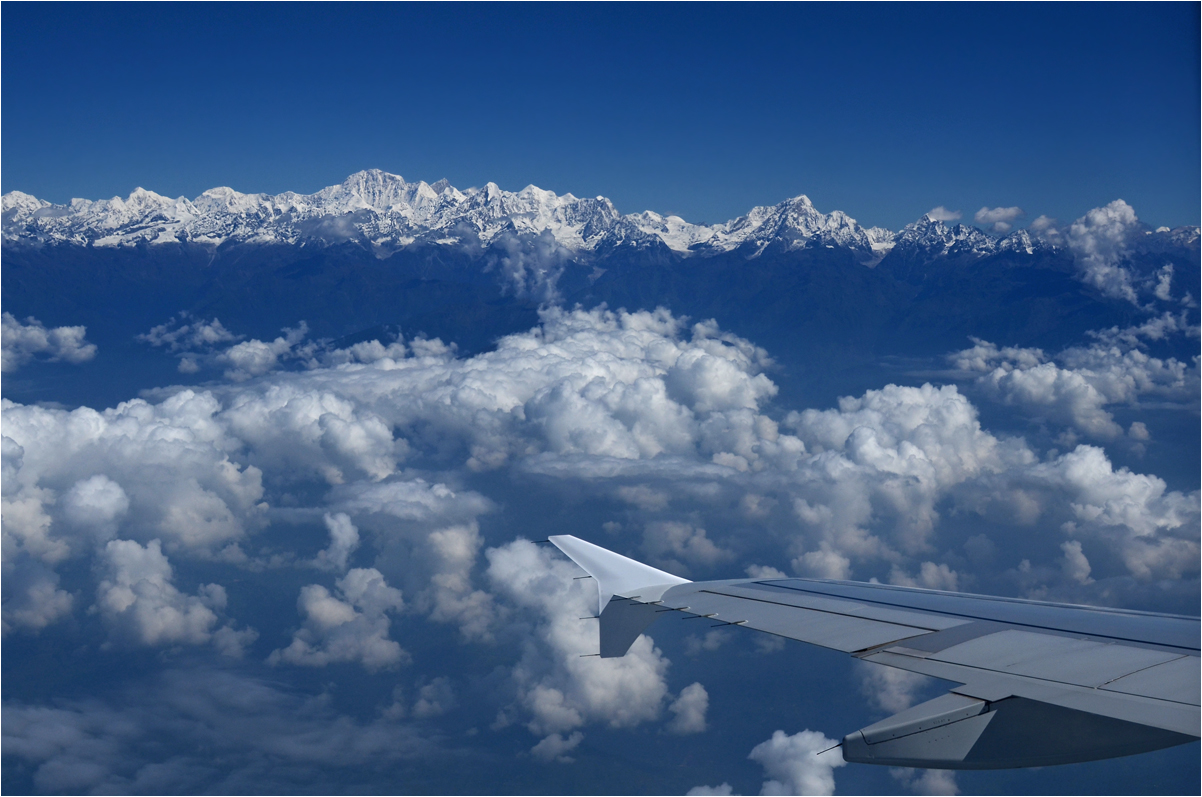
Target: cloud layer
(343,510)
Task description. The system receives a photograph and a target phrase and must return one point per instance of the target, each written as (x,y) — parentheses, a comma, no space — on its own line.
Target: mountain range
(830,298)
(384,213)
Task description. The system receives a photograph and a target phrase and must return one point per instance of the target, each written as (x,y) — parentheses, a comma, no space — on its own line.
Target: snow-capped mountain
(386,213)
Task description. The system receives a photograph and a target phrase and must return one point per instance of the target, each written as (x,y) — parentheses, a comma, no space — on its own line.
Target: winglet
(614,573)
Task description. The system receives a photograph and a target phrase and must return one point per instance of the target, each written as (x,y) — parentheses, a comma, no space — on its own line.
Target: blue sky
(704,111)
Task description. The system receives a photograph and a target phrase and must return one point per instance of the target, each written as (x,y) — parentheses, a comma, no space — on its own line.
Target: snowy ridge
(385,213)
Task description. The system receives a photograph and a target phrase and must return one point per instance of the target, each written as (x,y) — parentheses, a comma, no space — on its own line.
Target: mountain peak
(382,210)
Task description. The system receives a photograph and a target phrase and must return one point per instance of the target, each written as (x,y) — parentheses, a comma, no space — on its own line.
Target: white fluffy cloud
(927,781)
(674,546)
(803,763)
(794,766)
(350,625)
(164,471)
(344,539)
(1000,220)
(186,333)
(667,420)
(138,600)
(1076,390)
(943,214)
(560,687)
(382,465)
(889,689)
(1099,241)
(689,710)
(252,358)
(21,342)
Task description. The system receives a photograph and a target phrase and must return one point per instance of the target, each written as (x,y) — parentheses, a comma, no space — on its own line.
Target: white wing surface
(1041,683)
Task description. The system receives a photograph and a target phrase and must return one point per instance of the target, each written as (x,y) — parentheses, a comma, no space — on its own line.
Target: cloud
(1075,391)
(412,472)
(199,344)
(138,601)
(1076,566)
(350,625)
(32,599)
(794,766)
(167,734)
(23,342)
(163,471)
(675,546)
(186,333)
(344,539)
(889,689)
(558,685)
(1099,242)
(690,710)
(943,214)
(927,781)
(434,699)
(711,791)
(555,747)
(714,639)
(530,265)
(666,421)
(252,358)
(1000,220)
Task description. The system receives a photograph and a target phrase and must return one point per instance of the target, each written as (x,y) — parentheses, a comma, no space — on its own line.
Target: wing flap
(1053,658)
(781,593)
(841,632)
(1179,680)
(990,685)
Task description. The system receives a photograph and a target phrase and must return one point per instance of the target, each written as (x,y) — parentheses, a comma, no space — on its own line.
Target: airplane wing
(1040,683)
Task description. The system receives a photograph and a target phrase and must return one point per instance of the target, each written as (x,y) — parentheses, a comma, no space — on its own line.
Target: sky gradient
(701,111)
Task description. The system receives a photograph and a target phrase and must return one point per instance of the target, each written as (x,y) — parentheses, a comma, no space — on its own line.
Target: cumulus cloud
(1076,566)
(555,747)
(349,625)
(202,344)
(889,689)
(1099,242)
(943,214)
(1103,243)
(1000,220)
(1076,390)
(32,598)
(797,764)
(138,600)
(163,471)
(675,546)
(665,419)
(252,358)
(927,781)
(186,333)
(22,342)
(689,708)
(559,686)
(412,458)
(344,539)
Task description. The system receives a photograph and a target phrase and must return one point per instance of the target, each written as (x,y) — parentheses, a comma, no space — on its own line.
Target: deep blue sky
(882,111)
